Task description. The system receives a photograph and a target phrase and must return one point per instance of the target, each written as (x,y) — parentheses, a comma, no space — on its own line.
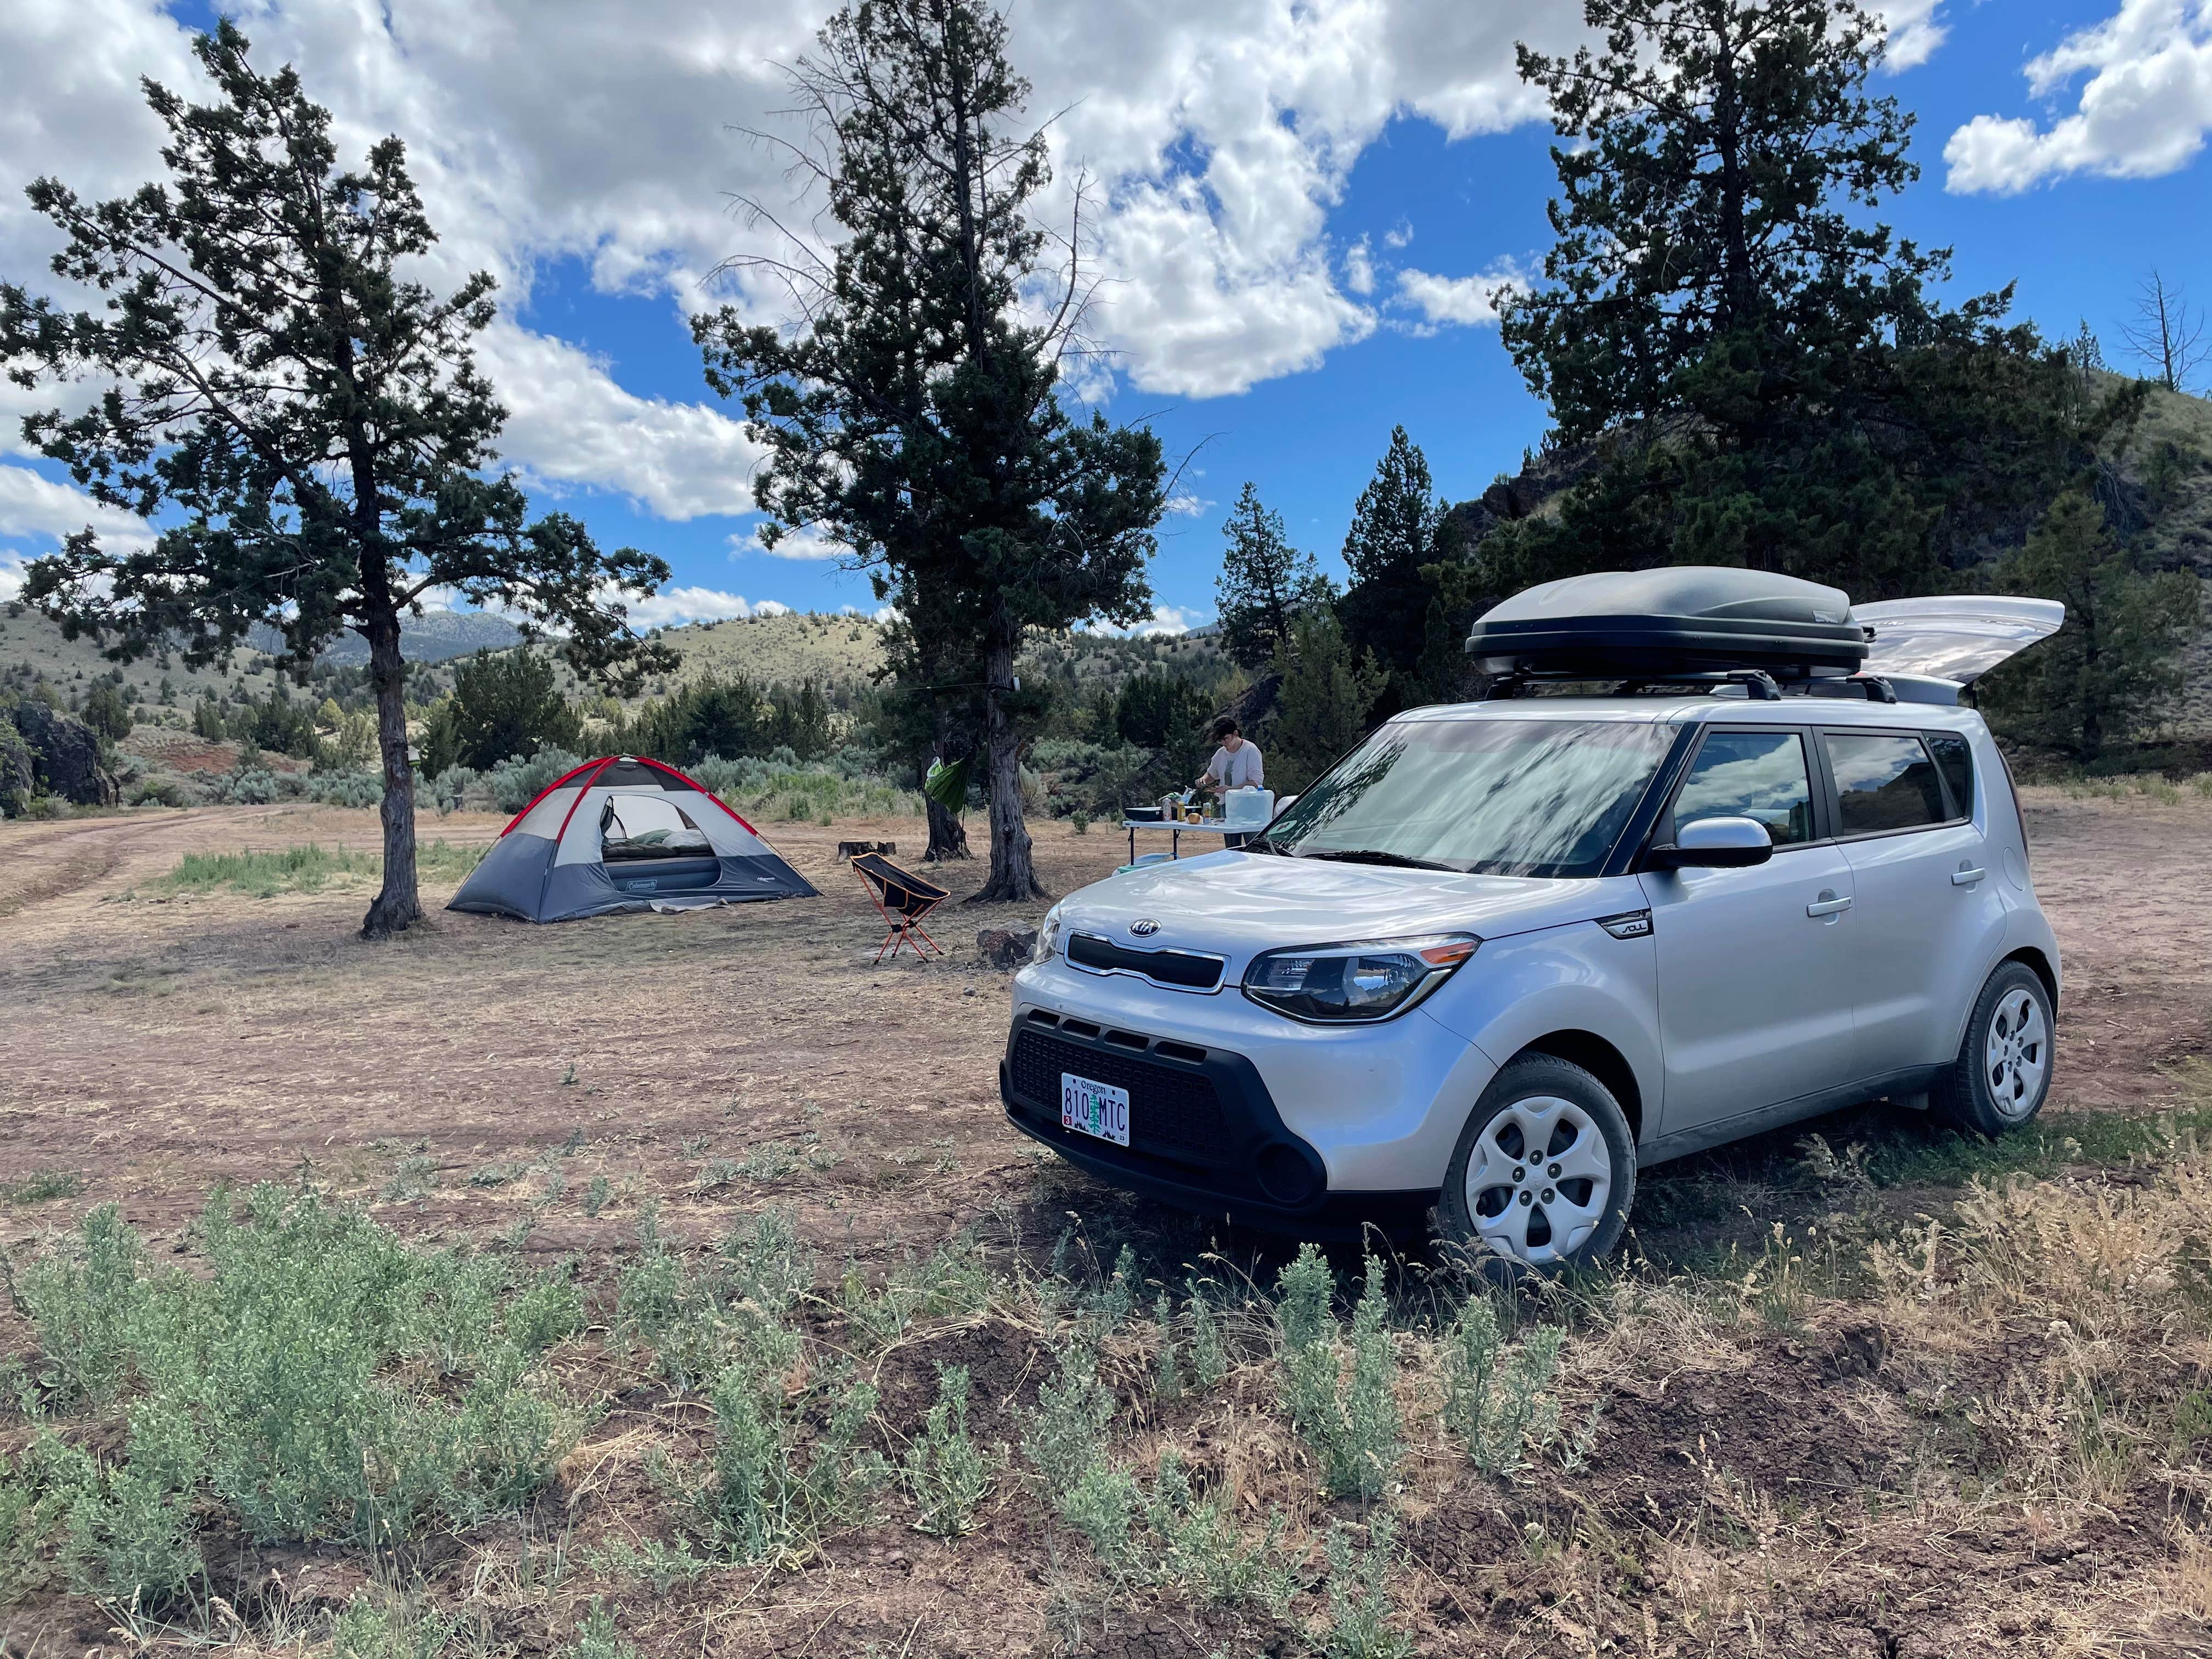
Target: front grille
(1186,970)
(1173,1113)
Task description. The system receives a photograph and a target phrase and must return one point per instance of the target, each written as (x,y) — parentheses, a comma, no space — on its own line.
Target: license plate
(1094,1108)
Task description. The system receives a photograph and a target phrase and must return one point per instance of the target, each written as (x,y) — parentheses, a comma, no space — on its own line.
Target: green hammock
(947,785)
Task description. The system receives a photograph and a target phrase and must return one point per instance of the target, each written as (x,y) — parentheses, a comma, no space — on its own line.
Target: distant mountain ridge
(434,636)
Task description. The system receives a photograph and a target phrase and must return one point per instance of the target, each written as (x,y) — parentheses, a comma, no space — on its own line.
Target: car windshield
(1509,797)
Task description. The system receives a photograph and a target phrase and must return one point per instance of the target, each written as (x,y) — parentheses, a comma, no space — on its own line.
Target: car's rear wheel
(1544,1172)
(2003,1074)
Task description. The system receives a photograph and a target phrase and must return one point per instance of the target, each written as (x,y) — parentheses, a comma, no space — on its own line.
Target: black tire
(1470,1220)
(1979,1092)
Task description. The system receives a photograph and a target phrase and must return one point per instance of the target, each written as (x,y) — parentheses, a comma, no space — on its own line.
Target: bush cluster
(322,1382)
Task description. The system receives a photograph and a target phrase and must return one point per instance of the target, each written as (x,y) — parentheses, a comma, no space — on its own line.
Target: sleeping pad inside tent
(622,834)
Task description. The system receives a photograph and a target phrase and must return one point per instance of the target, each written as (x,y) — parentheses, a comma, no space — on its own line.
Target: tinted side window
(1751,775)
(1954,758)
(1883,782)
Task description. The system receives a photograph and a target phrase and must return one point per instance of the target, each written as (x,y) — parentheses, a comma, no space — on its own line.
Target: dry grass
(1887,1394)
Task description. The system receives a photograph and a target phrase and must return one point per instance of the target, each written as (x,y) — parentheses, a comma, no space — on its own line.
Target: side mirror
(1715,844)
(1284,805)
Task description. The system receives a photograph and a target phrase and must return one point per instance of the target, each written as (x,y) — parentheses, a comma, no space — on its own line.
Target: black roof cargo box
(1688,619)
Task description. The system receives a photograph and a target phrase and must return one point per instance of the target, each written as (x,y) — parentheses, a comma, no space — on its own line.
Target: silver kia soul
(1505,954)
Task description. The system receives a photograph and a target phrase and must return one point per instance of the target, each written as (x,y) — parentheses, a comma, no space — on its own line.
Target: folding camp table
(1178,830)
(904,898)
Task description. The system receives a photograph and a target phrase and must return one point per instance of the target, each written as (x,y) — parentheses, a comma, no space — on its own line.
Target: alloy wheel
(1538,1178)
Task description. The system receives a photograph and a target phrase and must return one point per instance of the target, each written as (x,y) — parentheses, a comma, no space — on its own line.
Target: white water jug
(1248,806)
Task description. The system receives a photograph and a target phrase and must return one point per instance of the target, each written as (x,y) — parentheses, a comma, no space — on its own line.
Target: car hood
(1238,904)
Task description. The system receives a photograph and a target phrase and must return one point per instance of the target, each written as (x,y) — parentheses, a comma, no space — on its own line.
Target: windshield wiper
(1373,855)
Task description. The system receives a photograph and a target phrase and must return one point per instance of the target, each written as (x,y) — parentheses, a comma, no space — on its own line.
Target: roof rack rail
(1759,686)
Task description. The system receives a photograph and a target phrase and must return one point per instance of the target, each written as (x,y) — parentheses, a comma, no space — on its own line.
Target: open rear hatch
(1929,649)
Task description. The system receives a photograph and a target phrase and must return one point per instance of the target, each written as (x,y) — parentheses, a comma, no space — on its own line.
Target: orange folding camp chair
(904,898)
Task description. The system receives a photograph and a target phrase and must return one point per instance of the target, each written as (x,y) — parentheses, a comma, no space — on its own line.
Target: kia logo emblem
(1145,929)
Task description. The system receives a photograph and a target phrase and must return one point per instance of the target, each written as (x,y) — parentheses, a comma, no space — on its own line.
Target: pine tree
(1394,534)
(2109,673)
(915,418)
(310,421)
(1321,713)
(1265,582)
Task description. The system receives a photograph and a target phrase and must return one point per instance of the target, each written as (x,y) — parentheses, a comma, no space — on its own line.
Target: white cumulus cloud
(1915,29)
(687,605)
(806,542)
(2143,109)
(1218,140)
(34,506)
(1464,301)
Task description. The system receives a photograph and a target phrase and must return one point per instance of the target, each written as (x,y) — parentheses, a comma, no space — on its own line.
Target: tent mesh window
(648,827)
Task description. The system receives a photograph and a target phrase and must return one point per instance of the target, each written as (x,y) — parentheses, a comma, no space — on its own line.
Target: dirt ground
(165,1043)
(161,1044)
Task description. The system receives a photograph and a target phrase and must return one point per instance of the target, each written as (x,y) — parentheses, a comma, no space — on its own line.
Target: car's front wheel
(1545,1170)
(2003,1074)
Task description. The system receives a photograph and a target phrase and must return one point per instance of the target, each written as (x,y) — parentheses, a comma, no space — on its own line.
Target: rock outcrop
(65,755)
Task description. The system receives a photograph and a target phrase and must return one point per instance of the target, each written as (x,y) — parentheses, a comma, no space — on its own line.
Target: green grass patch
(263,874)
(1916,1155)
(41,1185)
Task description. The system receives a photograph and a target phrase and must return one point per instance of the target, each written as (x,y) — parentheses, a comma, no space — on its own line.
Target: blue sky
(1293,192)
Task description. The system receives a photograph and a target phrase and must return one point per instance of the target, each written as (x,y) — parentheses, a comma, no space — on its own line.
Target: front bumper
(1205,1132)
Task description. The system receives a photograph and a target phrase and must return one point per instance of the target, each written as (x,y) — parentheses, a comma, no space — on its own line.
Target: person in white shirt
(1236,765)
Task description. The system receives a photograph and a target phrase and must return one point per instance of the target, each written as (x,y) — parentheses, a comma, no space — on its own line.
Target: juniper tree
(1321,713)
(2111,670)
(1264,584)
(1760,360)
(914,413)
(309,424)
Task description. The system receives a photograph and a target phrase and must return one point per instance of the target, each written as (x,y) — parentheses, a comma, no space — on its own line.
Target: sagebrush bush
(516,783)
(1068,1429)
(1351,1424)
(345,788)
(449,792)
(323,1381)
(596,1637)
(953,1279)
(770,1489)
(695,1321)
(946,1472)
(1501,1417)
(1200,1546)
(1360,1594)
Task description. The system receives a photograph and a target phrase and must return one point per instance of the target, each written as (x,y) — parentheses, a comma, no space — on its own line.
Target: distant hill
(28,638)
(434,636)
(845,651)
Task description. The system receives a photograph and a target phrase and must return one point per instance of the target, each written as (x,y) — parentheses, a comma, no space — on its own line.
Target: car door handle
(1966,878)
(1828,905)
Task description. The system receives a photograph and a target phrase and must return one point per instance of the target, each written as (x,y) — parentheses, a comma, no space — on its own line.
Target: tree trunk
(1013,876)
(399,905)
(948,836)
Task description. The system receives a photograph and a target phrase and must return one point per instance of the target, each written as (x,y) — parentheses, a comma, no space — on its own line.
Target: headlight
(1365,980)
(1048,939)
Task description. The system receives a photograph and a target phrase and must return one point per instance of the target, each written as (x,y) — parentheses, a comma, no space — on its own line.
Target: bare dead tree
(2166,334)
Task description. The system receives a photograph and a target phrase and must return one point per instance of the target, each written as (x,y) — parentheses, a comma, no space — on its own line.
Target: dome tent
(618,834)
